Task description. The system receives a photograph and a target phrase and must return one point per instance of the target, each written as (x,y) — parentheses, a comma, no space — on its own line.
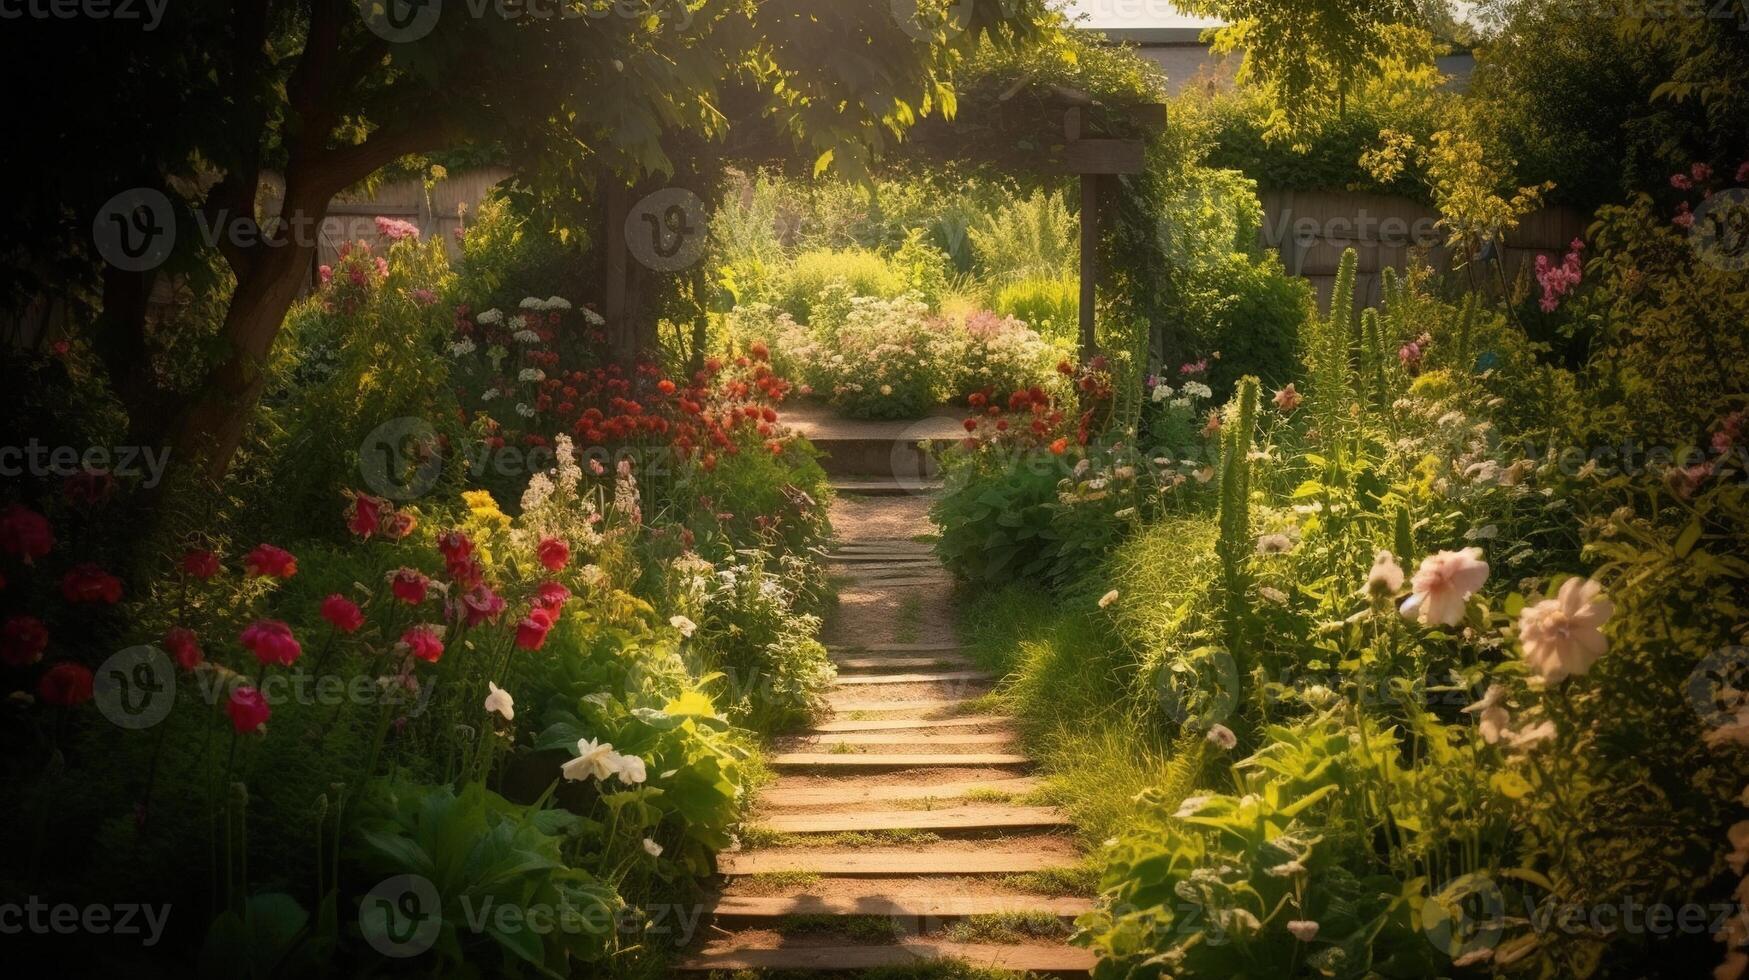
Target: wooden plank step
(779,795)
(900,663)
(875,561)
(879,862)
(895,647)
(1056,960)
(886,488)
(904,737)
(894,760)
(943,906)
(954,818)
(864,585)
(942,677)
(897,724)
(849,707)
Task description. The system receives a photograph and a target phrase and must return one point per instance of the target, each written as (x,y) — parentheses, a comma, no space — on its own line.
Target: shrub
(889,360)
(1051,306)
(862,272)
(1033,237)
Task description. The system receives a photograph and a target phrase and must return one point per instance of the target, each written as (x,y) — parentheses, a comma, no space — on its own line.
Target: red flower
(554,553)
(971,425)
(184,646)
(248,710)
(25,533)
(342,613)
(87,582)
(423,642)
(455,546)
(23,641)
(551,596)
(1060,447)
(482,605)
(200,564)
(270,561)
(409,586)
(272,642)
(466,573)
(665,386)
(533,630)
(365,517)
(65,684)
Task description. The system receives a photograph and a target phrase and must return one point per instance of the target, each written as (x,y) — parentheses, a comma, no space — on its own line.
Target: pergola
(1049,130)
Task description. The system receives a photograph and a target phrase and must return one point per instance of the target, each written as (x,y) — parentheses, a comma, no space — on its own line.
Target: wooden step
(778,795)
(849,707)
(1055,960)
(979,817)
(886,488)
(895,647)
(877,561)
(903,737)
(880,862)
(874,760)
(898,724)
(943,677)
(947,905)
(900,663)
(864,585)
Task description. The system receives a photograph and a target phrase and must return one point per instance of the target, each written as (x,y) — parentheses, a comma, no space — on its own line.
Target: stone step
(1062,961)
(892,760)
(778,795)
(895,647)
(881,862)
(900,663)
(979,817)
(942,677)
(945,905)
(853,707)
(900,724)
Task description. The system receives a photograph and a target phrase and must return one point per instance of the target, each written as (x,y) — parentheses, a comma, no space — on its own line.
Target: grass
(777,882)
(1081,881)
(922,971)
(1007,928)
(754,836)
(861,928)
(908,620)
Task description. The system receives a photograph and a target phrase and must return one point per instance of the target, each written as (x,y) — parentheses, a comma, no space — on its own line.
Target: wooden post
(1089,261)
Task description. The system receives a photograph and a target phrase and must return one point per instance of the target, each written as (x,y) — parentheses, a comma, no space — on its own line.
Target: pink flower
(1409,355)
(409,585)
(325,273)
(268,560)
(1442,585)
(1684,218)
(1558,280)
(423,642)
(25,533)
(87,582)
(424,297)
(482,605)
(1701,172)
(342,613)
(1743,172)
(1681,182)
(248,710)
(1563,637)
(183,646)
(22,641)
(396,230)
(272,642)
(551,596)
(1288,399)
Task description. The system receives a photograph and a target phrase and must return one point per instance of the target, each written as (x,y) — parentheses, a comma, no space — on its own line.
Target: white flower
(1304,930)
(1492,709)
(595,760)
(1532,736)
(1161,393)
(1274,544)
(593,318)
(489,394)
(886,389)
(1222,736)
(499,700)
(525,410)
(652,848)
(532,303)
(1287,869)
(1442,584)
(490,317)
(1563,636)
(684,625)
(631,769)
(462,347)
(1108,598)
(558,303)
(531,374)
(1190,806)
(1386,576)
(1196,389)
(526,337)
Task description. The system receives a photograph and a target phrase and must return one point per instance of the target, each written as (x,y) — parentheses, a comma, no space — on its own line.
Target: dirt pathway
(900,829)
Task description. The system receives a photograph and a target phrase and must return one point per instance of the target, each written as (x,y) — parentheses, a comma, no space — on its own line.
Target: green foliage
(1327,352)
(1033,237)
(1050,306)
(862,272)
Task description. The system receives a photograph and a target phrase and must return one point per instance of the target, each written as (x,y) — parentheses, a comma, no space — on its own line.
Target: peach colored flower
(1441,586)
(1287,399)
(1562,636)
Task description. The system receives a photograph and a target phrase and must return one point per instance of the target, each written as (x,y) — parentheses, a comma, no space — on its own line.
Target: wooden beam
(1097,156)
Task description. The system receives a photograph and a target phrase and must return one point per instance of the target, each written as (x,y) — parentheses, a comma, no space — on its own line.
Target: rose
(65,684)
(342,613)
(272,642)
(551,596)
(248,710)
(553,553)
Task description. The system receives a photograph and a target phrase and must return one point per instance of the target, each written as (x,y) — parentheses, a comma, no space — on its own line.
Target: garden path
(900,830)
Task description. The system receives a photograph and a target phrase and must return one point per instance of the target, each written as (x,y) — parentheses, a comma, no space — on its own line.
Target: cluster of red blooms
(26,535)
(1032,416)
(721,408)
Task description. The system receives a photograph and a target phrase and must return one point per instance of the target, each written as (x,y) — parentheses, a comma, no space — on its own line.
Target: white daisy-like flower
(631,769)
(558,303)
(1196,389)
(593,318)
(462,347)
(489,394)
(526,337)
(532,303)
(684,625)
(531,374)
(490,317)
